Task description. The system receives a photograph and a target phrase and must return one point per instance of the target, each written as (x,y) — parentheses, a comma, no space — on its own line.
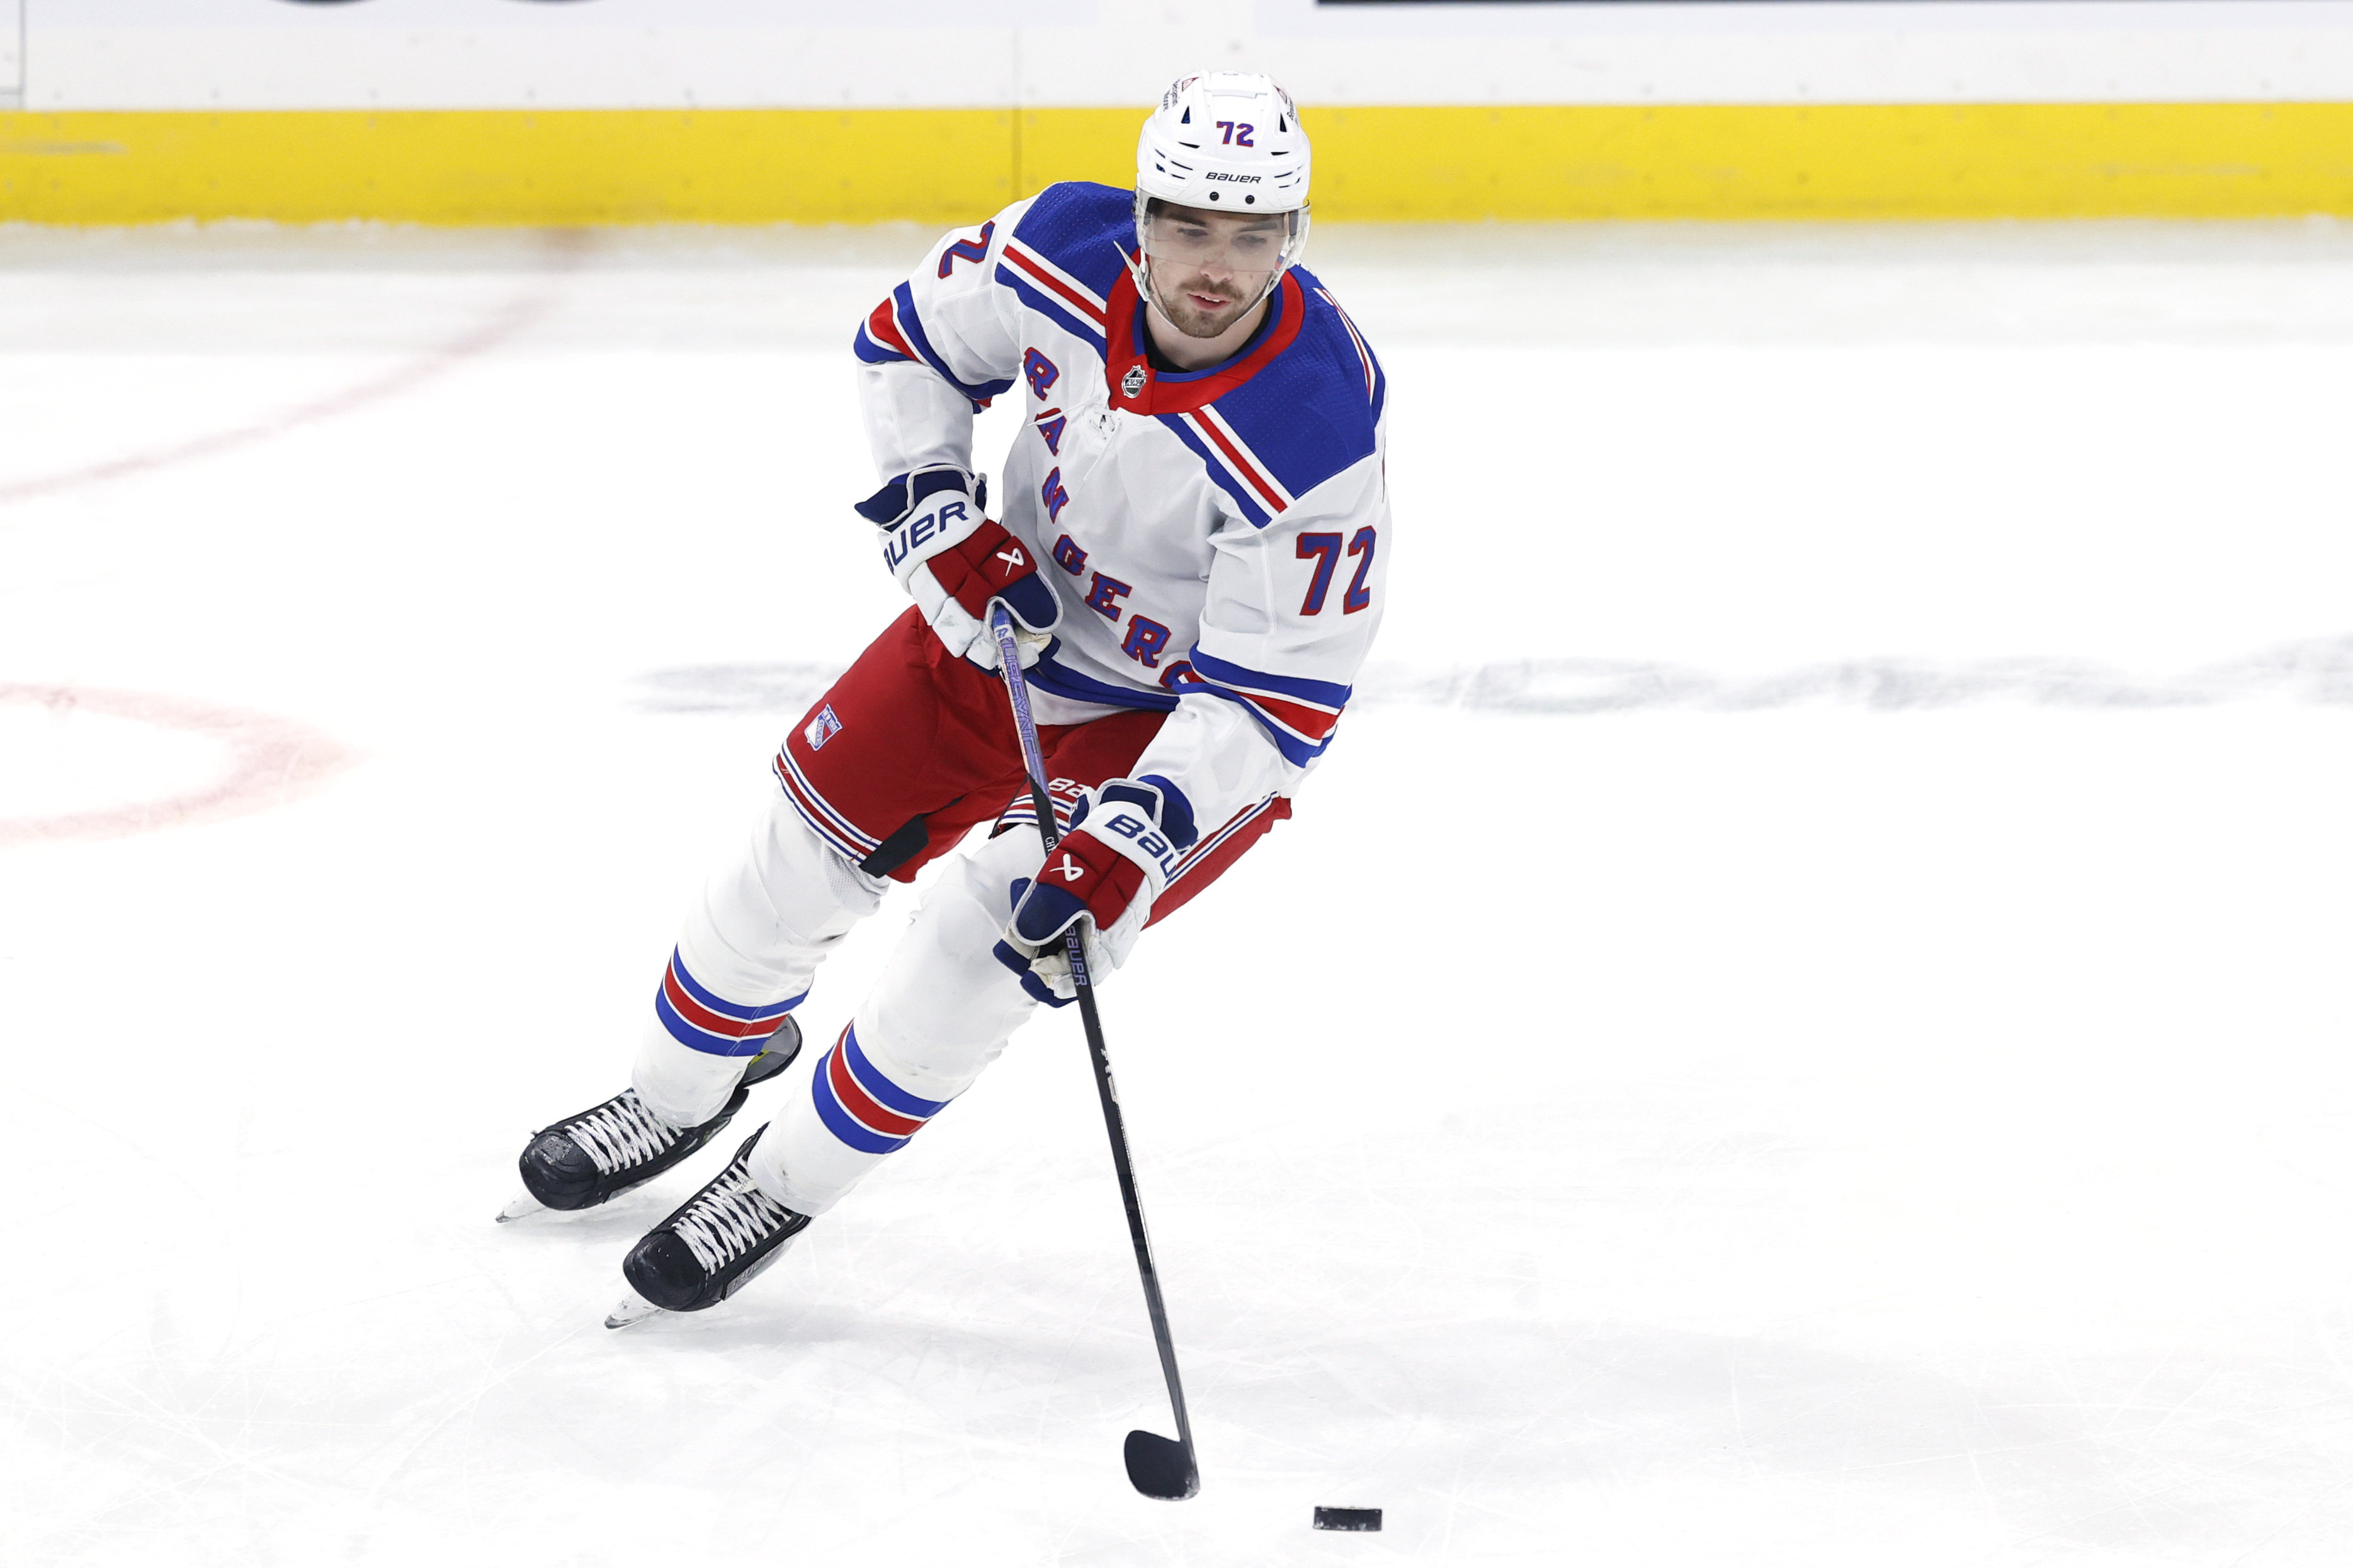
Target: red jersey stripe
(882,326)
(1039,273)
(1312,723)
(1264,475)
(1364,355)
(1243,469)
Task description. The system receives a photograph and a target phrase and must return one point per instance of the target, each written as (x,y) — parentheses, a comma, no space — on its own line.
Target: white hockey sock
(747,956)
(941,1012)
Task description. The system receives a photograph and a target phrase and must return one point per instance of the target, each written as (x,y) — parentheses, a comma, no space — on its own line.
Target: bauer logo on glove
(1124,843)
(952,560)
(906,539)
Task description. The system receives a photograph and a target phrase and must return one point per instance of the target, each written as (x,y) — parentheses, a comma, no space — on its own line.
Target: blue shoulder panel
(1313,413)
(1085,229)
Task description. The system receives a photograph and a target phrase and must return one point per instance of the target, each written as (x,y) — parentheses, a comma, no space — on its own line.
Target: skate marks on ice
(1680,1445)
(2317,670)
(563,251)
(88,763)
(734,687)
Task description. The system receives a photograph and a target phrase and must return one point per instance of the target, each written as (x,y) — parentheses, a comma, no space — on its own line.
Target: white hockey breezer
(1223,141)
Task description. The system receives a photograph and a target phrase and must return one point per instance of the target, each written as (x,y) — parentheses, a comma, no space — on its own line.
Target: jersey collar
(1140,389)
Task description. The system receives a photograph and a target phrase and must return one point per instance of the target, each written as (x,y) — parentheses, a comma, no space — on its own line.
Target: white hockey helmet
(1225,142)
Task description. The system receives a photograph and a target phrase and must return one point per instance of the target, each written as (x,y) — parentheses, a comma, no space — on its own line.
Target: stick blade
(1159,1467)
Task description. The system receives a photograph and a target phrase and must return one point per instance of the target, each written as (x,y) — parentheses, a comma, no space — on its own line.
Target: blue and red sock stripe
(701,1019)
(861,1107)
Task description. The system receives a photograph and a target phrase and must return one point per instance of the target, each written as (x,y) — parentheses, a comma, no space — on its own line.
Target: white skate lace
(730,1217)
(622,1132)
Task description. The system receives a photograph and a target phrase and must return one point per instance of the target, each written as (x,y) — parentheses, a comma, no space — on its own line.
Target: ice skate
(603,1152)
(705,1252)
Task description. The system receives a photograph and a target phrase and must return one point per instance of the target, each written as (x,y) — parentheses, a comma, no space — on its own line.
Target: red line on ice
(272,762)
(565,248)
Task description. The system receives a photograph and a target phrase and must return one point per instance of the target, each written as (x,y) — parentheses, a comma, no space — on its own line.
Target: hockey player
(1193,535)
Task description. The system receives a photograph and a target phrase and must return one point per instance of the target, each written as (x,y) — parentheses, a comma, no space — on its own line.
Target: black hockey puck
(1348,1519)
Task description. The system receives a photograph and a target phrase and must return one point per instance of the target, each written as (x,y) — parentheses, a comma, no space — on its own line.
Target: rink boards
(486,111)
(1377,163)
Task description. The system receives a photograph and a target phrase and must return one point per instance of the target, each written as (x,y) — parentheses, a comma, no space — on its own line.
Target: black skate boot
(706,1252)
(603,1152)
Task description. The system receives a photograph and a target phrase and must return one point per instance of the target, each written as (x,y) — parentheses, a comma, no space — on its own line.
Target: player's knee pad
(941,1010)
(943,1005)
(785,901)
(750,948)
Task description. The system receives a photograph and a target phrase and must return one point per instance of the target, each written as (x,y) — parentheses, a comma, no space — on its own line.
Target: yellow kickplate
(1532,162)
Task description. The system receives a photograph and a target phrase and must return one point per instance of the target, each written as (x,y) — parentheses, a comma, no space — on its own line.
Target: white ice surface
(1805,1021)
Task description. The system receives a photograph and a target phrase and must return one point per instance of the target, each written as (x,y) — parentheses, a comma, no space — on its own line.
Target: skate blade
(632,1308)
(521,1205)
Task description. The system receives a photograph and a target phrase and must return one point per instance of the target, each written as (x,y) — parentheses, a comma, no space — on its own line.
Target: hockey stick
(1157,1466)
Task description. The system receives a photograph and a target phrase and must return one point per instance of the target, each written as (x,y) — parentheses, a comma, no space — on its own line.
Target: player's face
(1208,269)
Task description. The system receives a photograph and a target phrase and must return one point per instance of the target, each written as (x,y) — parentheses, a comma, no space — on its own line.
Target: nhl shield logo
(1131,384)
(821,729)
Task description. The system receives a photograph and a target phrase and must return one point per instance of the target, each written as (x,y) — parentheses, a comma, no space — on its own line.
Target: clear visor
(1240,244)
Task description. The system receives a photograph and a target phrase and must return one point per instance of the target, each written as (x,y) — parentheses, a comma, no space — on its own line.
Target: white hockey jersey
(1219,539)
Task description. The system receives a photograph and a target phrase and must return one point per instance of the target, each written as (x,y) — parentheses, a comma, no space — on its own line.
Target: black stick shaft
(1114,1123)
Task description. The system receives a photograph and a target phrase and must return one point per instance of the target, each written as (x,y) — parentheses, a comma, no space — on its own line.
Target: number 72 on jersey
(1324,549)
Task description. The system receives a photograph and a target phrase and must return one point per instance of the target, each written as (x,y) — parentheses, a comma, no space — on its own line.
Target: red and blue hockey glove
(1125,843)
(939,542)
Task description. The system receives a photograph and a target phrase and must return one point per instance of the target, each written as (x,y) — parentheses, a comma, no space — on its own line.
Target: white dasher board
(11,53)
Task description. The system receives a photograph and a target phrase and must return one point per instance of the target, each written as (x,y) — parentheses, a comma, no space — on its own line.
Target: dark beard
(1189,323)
